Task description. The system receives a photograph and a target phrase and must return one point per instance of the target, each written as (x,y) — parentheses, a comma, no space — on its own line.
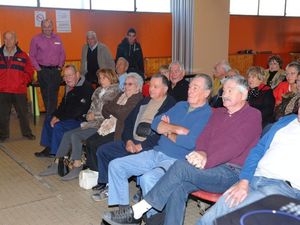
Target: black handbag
(63,166)
(143,129)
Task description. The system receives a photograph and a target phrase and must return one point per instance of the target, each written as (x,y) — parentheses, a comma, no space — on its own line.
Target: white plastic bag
(88,179)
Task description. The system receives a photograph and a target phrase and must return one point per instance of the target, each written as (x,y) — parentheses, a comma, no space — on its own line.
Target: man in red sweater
(16,72)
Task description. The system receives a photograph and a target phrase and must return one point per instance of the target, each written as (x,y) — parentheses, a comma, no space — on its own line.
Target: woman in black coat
(260,95)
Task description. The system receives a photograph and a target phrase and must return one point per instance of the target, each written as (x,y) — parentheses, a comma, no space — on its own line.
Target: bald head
(10,40)
(47,27)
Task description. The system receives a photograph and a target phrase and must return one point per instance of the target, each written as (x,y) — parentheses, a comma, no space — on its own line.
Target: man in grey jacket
(94,56)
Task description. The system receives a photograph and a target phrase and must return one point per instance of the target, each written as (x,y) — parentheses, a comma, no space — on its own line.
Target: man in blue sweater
(180,126)
(272,167)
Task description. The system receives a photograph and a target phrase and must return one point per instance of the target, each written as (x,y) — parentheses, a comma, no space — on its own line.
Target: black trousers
(19,101)
(92,143)
(49,81)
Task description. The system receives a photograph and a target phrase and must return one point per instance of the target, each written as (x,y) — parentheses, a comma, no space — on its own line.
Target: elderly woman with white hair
(94,56)
(115,113)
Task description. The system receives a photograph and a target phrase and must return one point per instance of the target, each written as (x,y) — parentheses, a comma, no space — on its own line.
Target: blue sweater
(263,145)
(195,121)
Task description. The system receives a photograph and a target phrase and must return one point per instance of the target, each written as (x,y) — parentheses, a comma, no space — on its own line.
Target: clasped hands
(197,159)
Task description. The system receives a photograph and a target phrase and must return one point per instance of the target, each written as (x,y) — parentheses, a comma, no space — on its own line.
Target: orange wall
(154,30)
(276,34)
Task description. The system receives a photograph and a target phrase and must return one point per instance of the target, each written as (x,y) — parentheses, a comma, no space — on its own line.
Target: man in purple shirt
(48,57)
(214,165)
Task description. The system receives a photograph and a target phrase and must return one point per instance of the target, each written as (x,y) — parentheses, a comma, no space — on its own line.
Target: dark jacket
(133,54)
(76,102)
(16,74)
(180,91)
(151,140)
(120,111)
(262,99)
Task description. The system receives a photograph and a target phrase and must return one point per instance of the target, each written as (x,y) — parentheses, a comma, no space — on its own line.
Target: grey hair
(14,34)
(72,66)
(240,81)
(138,79)
(208,80)
(224,64)
(181,66)
(163,78)
(257,71)
(126,62)
(91,34)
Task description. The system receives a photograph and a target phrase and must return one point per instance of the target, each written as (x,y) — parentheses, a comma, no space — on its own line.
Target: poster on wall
(63,21)
(39,16)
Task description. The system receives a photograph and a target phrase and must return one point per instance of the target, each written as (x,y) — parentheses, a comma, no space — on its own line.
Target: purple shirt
(47,51)
(229,138)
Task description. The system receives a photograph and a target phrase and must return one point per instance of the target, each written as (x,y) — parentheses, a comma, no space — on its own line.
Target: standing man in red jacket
(16,72)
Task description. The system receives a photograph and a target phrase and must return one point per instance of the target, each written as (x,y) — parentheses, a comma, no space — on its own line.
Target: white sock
(140,208)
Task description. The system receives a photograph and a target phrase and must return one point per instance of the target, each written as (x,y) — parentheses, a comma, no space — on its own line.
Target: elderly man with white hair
(94,56)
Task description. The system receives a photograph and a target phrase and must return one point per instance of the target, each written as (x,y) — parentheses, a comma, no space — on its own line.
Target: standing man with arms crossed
(48,57)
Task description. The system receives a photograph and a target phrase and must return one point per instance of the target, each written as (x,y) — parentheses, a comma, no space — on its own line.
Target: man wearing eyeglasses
(131,50)
(70,113)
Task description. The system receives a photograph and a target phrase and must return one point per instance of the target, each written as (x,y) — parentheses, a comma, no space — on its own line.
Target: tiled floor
(27,199)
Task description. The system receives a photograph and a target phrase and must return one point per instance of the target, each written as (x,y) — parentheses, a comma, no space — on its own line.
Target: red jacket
(15,73)
(281,89)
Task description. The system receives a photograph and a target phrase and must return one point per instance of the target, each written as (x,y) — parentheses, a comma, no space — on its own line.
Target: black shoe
(122,216)
(99,187)
(29,136)
(44,154)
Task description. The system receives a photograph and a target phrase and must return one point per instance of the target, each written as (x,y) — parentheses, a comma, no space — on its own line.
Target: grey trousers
(72,140)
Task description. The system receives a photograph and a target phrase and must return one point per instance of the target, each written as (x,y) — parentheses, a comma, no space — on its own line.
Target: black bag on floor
(63,166)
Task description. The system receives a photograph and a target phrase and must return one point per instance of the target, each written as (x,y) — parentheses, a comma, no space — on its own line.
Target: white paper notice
(39,16)
(63,21)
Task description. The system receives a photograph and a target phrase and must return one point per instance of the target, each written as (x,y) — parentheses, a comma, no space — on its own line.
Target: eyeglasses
(128,84)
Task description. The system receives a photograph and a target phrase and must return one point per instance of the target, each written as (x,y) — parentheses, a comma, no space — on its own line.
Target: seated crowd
(222,133)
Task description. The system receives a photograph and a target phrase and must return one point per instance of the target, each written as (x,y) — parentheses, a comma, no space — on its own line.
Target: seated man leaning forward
(137,135)
(215,164)
(180,126)
(272,167)
(70,113)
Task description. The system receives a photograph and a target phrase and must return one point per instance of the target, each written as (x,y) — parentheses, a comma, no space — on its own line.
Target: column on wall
(210,34)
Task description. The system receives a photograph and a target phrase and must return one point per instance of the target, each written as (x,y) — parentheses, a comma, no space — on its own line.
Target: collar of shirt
(8,54)
(93,47)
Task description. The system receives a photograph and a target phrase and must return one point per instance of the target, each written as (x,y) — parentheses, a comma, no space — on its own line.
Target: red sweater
(15,72)
(280,90)
(229,138)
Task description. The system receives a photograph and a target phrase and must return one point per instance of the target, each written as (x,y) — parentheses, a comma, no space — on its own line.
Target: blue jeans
(51,136)
(150,164)
(172,190)
(259,188)
(105,154)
